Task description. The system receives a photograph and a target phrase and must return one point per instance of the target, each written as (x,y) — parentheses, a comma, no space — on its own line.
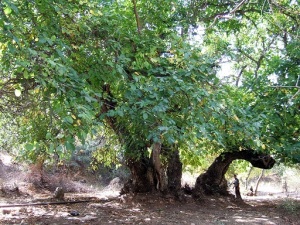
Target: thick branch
(213,180)
(108,103)
(258,160)
(238,6)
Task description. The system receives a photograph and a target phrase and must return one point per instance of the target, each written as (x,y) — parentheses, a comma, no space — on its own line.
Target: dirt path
(150,209)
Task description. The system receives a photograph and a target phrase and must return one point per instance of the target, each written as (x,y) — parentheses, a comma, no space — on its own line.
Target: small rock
(59,193)
(74,213)
(6,211)
(23,210)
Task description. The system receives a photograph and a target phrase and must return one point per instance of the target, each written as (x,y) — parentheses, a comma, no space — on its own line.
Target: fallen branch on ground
(44,203)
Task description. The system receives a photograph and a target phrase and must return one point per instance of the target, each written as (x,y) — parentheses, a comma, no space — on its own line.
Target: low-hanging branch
(213,180)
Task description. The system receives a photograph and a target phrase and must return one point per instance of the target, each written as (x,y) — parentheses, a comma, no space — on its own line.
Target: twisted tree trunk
(213,180)
(149,174)
(141,179)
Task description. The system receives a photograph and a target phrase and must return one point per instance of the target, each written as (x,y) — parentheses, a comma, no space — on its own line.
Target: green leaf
(145,116)
(48,135)
(29,147)
(7,10)
(89,98)
(163,128)
(68,119)
(25,74)
(70,146)
(120,112)
(51,148)
(82,136)
(59,148)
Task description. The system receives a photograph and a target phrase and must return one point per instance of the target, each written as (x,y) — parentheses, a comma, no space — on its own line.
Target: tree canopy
(152,72)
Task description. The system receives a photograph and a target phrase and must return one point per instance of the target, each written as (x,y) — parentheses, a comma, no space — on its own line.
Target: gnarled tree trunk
(141,179)
(213,180)
(150,174)
(147,173)
(174,173)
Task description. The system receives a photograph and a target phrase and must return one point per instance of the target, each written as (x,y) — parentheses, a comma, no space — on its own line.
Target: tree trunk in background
(38,170)
(248,176)
(258,181)
(213,180)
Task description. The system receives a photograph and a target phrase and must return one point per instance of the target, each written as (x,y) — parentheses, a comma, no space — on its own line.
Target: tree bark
(213,180)
(137,18)
(248,176)
(141,179)
(149,174)
(258,181)
(159,173)
(174,173)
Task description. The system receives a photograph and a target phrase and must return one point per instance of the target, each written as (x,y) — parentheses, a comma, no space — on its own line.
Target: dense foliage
(151,71)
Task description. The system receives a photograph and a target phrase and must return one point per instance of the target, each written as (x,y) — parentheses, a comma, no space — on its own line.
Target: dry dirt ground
(24,203)
(145,209)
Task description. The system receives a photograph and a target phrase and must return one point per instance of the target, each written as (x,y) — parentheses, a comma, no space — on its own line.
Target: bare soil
(21,202)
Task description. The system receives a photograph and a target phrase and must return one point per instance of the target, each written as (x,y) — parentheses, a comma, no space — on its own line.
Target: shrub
(290,205)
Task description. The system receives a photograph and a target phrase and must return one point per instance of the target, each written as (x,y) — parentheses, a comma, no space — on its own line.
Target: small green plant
(291,205)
